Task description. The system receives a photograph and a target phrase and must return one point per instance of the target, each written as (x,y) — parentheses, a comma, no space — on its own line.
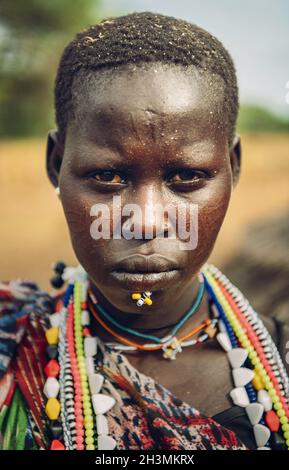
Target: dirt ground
(33,228)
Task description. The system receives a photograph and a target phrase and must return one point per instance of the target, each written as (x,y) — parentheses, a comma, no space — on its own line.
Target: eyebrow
(116,159)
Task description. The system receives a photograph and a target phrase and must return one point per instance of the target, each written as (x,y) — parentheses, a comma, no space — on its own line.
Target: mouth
(140,273)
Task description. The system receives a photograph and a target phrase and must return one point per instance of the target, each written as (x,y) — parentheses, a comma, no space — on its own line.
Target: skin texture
(147,124)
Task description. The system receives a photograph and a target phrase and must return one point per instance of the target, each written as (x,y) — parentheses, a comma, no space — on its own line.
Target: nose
(147,213)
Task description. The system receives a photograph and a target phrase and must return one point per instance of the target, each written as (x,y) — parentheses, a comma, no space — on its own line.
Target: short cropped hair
(143,37)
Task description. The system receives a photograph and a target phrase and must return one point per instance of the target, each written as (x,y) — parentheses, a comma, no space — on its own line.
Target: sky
(255,32)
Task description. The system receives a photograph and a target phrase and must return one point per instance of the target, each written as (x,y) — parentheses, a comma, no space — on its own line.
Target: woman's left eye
(108,176)
(186,176)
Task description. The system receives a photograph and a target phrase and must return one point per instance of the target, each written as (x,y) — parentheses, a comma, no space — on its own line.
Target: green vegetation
(33,34)
(258,119)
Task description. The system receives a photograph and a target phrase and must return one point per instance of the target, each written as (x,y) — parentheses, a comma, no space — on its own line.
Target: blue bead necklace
(185,317)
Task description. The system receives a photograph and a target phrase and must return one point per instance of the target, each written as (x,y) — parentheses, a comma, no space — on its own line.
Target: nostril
(146,223)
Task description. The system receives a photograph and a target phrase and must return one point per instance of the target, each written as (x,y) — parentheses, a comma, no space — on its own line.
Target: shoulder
(21,302)
(24,291)
(24,318)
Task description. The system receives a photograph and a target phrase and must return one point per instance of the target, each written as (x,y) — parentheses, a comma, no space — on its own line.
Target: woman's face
(150,134)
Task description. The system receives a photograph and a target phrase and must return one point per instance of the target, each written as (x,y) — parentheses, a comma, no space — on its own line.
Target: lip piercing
(142,298)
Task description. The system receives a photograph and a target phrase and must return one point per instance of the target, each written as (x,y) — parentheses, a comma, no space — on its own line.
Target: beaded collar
(259,376)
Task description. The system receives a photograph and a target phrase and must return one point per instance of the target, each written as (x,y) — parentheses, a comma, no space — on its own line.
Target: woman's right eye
(109,176)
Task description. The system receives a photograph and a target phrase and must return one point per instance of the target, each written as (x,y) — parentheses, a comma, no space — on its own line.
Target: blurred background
(253,244)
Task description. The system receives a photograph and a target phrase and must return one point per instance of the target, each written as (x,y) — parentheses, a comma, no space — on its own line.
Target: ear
(235,158)
(54,155)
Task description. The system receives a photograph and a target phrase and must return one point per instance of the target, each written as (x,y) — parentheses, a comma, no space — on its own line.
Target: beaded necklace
(170,344)
(179,324)
(260,379)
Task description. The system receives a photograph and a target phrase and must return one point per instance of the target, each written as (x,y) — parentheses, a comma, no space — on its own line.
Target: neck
(162,316)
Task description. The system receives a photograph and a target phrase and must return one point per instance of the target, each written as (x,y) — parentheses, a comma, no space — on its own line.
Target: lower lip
(145,281)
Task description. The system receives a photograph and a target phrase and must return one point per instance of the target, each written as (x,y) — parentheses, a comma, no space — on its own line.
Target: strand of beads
(63,376)
(274,396)
(86,403)
(261,382)
(250,343)
(207,331)
(258,346)
(75,390)
(79,438)
(244,394)
(101,402)
(256,323)
(265,339)
(52,386)
(77,349)
(170,344)
(193,309)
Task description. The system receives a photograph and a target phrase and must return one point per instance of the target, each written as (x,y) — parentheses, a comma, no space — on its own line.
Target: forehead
(113,102)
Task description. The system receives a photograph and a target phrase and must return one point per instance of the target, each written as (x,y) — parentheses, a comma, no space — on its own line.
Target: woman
(147,346)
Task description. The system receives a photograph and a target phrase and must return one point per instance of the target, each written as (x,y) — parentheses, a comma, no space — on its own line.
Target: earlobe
(235,158)
(54,154)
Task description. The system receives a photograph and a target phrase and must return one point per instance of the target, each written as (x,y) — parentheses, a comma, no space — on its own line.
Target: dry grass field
(33,228)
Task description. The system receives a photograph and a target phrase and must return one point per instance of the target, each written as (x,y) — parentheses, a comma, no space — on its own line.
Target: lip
(140,273)
(145,281)
(146,264)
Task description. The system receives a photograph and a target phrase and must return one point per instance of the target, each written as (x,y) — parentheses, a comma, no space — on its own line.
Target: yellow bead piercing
(142,298)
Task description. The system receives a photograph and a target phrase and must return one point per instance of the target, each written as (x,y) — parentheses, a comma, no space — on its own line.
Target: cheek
(212,207)
(89,251)
(77,207)
(77,214)
(212,211)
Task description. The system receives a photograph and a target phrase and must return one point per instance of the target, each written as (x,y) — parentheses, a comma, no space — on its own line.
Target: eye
(109,176)
(186,177)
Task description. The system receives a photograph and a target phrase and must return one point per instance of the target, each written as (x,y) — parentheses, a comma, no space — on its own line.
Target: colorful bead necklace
(170,344)
(180,323)
(170,348)
(261,385)
(258,390)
